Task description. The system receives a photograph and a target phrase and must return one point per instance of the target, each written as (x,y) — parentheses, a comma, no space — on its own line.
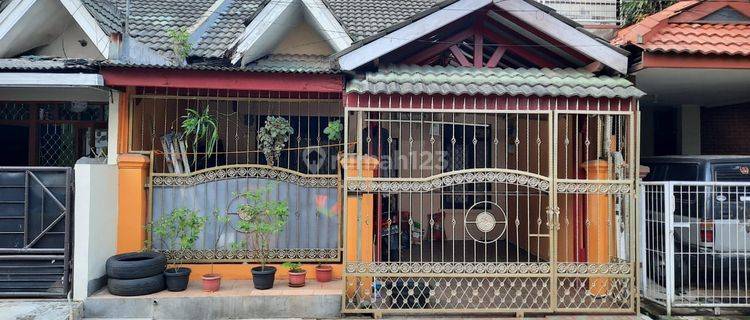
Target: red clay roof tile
(657,34)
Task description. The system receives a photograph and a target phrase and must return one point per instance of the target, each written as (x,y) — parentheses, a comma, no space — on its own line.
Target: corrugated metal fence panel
(313,212)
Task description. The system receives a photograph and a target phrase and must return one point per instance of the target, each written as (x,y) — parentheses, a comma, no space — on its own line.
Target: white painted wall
(68,44)
(95,231)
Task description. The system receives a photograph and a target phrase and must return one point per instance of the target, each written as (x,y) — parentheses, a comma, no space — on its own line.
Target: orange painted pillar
(359,225)
(599,215)
(133,202)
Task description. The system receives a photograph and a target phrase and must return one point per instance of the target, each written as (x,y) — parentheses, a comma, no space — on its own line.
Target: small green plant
(334,130)
(261,218)
(181,45)
(273,136)
(201,125)
(223,222)
(633,11)
(178,230)
(295,267)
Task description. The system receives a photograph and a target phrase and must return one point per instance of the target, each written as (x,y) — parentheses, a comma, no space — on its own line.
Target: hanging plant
(334,130)
(273,136)
(201,126)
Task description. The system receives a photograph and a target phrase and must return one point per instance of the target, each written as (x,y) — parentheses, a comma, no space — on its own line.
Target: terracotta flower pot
(211,282)
(323,273)
(297,279)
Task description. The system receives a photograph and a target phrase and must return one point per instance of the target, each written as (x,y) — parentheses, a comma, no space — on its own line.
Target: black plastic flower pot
(177,279)
(263,277)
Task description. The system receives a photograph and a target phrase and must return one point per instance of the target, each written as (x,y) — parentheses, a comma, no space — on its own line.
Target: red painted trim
(570,50)
(495,58)
(478,49)
(460,56)
(526,54)
(697,60)
(222,80)
(439,47)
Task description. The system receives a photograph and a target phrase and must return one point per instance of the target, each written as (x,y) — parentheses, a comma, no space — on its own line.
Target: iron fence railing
(211,180)
(587,11)
(695,240)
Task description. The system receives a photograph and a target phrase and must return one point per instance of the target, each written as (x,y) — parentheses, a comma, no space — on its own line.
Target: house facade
(486,161)
(692,61)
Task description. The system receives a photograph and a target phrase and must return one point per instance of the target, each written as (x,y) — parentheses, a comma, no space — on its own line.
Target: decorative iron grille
(491,210)
(306,176)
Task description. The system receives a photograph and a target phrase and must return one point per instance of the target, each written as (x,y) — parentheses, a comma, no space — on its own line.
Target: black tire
(136,265)
(136,287)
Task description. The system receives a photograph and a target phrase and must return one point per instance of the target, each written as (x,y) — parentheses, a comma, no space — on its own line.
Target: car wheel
(136,265)
(136,287)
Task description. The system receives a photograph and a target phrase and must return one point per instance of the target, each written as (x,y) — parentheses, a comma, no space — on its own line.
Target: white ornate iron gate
(484,210)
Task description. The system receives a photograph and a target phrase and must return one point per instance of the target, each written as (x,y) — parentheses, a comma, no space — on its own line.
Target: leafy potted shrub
(178,230)
(261,218)
(296,274)
(323,272)
(272,137)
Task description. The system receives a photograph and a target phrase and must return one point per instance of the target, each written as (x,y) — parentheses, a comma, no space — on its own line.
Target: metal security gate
(489,211)
(35,237)
(696,241)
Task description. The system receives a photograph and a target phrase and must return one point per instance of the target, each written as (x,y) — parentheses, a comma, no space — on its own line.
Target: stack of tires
(135,274)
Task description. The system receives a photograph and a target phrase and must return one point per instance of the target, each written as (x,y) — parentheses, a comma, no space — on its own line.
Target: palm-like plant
(201,125)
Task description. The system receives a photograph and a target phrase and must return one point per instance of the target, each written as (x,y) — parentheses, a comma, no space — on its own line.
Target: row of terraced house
(441,157)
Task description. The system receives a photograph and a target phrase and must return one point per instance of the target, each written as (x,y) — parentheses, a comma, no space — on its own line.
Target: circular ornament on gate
(485,222)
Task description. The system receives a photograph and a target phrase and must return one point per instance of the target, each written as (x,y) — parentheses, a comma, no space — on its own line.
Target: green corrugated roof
(495,81)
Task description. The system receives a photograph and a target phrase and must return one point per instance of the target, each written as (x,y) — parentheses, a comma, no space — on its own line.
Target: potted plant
(261,218)
(212,281)
(296,274)
(323,272)
(179,230)
(272,138)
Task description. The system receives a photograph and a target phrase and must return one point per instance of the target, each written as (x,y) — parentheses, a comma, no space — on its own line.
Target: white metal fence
(695,242)
(587,11)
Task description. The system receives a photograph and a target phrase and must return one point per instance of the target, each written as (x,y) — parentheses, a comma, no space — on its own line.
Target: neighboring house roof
(150,21)
(106,13)
(693,27)
(275,63)
(227,27)
(39,63)
(292,63)
(492,81)
(364,18)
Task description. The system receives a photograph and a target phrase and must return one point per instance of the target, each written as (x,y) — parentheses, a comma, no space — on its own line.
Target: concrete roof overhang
(670,86)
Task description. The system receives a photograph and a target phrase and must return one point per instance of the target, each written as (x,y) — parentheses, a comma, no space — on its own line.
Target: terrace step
(236,300)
